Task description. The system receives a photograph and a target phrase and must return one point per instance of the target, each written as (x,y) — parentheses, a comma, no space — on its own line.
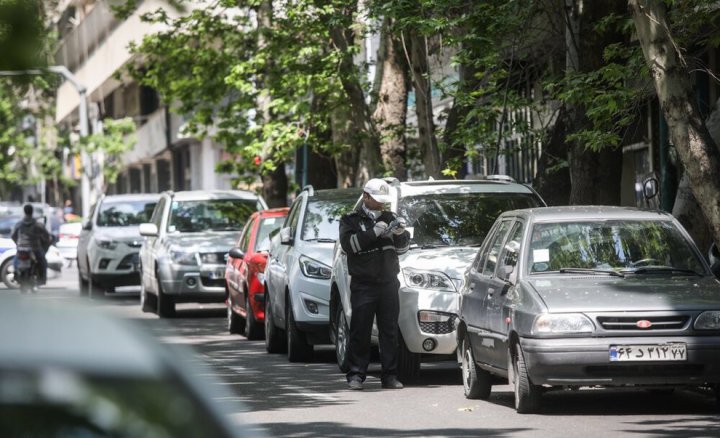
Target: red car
(245,266)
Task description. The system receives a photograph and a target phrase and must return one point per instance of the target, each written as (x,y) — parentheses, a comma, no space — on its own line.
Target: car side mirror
(148,230)
(714,259)
(237,253)
(650,188)
(286,236)
(87,225)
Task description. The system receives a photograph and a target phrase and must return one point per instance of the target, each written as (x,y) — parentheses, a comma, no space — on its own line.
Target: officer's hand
(380,228)
(400,228)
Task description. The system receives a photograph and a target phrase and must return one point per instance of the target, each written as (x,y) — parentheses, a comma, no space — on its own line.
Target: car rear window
(458,218)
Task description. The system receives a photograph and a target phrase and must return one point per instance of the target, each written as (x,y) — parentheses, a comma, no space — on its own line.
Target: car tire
(83,285)
(408,362)
(342,340)
(165,303)
(253,330)
(527,395)
(235,323)
(7,271)
(148,302)
(274,342)
(477,383)
(297,346)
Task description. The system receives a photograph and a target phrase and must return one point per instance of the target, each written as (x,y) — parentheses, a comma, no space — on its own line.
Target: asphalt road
(311,399)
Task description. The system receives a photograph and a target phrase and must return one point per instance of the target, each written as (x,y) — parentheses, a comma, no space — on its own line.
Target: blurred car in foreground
(59,376)
(244,273)
(569,297)
(68,238)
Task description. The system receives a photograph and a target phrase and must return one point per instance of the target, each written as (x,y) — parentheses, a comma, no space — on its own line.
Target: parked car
(68,238)
(447,220)
(245,271)
(109,243)
(78,371)
(297,276)
(567,297)
(186,245)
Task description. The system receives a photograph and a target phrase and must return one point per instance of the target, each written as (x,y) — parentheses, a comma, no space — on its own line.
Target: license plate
(648,353)
(23,264)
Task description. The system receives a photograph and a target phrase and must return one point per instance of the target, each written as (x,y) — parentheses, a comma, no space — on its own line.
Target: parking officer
(372,238)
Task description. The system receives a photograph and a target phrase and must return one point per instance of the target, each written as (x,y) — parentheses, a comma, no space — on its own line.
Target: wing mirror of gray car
(286,236)
(237,253)
(148,230)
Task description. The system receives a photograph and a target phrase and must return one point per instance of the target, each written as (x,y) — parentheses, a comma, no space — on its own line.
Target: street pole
(83,115)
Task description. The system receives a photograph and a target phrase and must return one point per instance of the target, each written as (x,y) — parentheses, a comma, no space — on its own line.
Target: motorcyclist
(29,233)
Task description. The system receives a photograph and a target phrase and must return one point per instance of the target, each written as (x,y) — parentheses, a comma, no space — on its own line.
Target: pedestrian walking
(372,237)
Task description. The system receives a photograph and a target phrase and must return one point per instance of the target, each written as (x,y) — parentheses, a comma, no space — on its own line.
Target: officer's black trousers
(368,301)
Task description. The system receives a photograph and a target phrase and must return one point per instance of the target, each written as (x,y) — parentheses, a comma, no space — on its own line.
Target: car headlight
(709,320)
(434,280)
(106,243)
(562,323)
(184,258)
(314,269)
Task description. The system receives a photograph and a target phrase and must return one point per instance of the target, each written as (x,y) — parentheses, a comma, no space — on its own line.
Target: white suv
(447,221)
(109,243)
(297,274)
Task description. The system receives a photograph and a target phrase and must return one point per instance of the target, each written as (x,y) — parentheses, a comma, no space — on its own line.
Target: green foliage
(22,34)
(116,139)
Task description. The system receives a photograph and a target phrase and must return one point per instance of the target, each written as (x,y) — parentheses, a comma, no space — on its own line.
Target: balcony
(81,42)
(151,138)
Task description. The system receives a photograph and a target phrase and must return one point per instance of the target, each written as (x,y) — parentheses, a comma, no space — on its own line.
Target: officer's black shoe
(355,384)
(391,383)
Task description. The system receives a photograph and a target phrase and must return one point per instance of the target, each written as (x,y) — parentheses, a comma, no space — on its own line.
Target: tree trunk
(391,107)
(552,180)
(346,160)
(420,72)
(696,148)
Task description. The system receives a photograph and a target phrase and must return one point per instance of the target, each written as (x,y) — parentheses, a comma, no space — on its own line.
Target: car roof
(131,197)
(412,188)
(588,212)
(200,195)
(336,194)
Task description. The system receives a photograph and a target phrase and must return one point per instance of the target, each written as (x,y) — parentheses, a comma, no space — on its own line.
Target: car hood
(452,260)
(120,234)
(212,241)
(657,292)
(320,251)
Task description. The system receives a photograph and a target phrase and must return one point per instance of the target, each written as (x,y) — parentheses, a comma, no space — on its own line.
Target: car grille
(129,261)
(438,328)
(207,282)
(213,258)
(674,322)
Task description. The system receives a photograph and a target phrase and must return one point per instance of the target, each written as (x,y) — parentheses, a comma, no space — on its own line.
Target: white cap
(378,189)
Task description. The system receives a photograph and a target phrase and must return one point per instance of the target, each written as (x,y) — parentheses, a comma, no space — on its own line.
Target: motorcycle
(26,274)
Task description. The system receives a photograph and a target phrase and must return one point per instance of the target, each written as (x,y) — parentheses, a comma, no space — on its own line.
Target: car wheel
(253,330)
(7,271)
(527,395)
(477,382)
(83,284)
(165,303)
(342,340)
(298,348)
(234,322)
(274,343)
(408,362)
(148,302)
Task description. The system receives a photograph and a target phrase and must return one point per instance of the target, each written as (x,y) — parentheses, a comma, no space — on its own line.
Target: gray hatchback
(567,297)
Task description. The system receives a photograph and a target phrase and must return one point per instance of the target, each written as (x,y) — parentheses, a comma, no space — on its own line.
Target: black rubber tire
(297,346)
(477,383)
(148,301)
(527,395)
(274,339)
(235,322)
(83,285)
(253,329)
(165,303)
(5,273)
(408,362)
(342,340)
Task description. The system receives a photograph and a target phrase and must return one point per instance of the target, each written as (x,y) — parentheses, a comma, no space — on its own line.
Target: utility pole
(83,116)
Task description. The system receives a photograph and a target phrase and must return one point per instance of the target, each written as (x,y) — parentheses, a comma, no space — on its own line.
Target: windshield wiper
(663,269)
(590,271)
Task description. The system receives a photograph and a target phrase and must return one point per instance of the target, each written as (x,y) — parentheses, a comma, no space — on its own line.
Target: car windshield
(626,246)
(322,220)
(458,219)
(211,215)
(125,213)
(267,226)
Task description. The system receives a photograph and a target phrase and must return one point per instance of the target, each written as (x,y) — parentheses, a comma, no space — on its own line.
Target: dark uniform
(374,267)
(29,233)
